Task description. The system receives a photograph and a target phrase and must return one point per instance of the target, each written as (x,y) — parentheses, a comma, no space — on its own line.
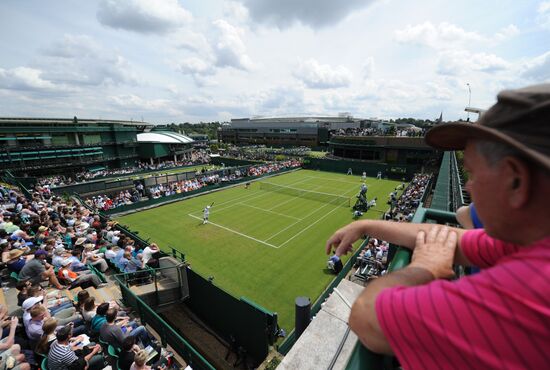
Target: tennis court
(265,242)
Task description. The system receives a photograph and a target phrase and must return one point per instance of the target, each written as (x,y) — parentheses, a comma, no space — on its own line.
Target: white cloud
(444,35)
(459,62)
(143,16)
(322,76)
(80,60)
(312,13)
(543,16)
(24,78)
(190,40)
(235,11)
(73,46)
(537,69)
(136,102)
(368,68)
(228,47)
(279,100)
(507,32)
(199,69)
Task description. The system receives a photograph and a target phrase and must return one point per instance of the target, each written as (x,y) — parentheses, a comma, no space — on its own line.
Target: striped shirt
(497,319)
(60,356)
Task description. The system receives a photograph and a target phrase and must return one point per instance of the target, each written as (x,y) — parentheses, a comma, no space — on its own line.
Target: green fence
(9,178)
(252,326)
(230,162)
(167,334)
(397,172)
(181,196)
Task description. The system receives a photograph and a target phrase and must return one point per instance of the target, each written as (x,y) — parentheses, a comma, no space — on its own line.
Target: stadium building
(311,131)
(55,145)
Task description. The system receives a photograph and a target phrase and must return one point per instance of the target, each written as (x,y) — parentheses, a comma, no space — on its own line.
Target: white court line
(291,199)
(249,196)
(266,210)
(310,225)
(235,232)
(344,181)
(306,216)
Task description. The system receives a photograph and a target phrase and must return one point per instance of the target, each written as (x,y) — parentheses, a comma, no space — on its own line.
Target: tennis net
(335,199)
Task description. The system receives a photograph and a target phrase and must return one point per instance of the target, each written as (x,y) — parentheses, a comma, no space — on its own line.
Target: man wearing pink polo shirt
(499,318)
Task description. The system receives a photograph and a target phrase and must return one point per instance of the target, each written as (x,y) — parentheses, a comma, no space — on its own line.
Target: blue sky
(190,61)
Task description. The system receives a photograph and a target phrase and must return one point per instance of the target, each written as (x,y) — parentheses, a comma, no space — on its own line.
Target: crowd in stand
(198,157)
(403,208)
(263,153)
(372,131)
(139,193)
(50,245)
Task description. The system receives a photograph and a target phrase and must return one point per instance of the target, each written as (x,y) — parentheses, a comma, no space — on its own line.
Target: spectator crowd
(139,193)
(51,245)
(198,158)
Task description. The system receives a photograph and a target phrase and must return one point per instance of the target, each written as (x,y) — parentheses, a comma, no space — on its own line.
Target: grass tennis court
(266,242)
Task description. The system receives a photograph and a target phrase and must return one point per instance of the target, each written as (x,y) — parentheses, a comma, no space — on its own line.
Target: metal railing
(168,335)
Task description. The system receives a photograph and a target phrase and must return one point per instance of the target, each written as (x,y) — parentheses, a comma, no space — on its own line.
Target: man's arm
(432,259)
(400,233)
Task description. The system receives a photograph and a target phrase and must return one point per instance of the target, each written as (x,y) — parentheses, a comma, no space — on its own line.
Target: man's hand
(343,239)
(435,252)
(96,348)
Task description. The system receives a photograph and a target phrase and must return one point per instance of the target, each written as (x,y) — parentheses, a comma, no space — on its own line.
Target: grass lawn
(267,246)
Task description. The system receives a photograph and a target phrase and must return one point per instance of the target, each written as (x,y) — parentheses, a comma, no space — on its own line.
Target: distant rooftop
(163,137)
(68,121)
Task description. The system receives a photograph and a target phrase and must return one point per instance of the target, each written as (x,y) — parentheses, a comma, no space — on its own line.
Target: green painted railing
(167,334)
(361,357)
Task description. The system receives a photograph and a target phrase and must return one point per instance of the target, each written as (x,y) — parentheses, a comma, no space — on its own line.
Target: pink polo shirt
(497,319)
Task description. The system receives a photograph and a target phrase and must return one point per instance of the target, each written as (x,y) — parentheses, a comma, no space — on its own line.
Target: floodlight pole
(469,99)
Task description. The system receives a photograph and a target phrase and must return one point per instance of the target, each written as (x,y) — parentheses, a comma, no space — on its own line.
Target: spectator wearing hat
(79,242)
(37,270)
(78,279)
(64,356)
(495,319)
(15,261)
(59,255)
(150,254)
(93,258)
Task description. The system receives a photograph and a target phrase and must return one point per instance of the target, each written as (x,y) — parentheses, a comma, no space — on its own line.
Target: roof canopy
(163,137)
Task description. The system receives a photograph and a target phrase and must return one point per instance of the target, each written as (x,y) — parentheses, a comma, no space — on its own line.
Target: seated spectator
(127,353)
(48,336)
(22,286)
(140,360)
(88,309)
(149,255)
(114,334)
(110,254)
(78,279)
(93,258)
(14,260)
(99,319)
(10,350)
(76,264)
(34,327)
(59,255)
(37,270)
(63,356)
(64,316)
(134,264)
